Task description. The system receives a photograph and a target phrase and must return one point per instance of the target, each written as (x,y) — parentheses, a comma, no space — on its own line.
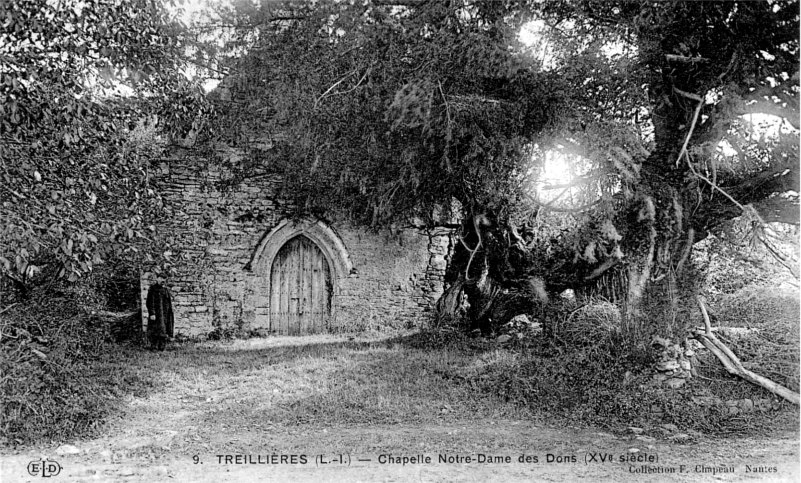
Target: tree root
(732,363)
(448,308)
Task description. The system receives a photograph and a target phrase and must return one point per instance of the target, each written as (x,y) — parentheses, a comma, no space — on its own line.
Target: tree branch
(551,207)
(764,103)
(700,100)
(682,58)
(448,133)
(401,3)
(340,81)
(733,364)
(609,263)
(472,251)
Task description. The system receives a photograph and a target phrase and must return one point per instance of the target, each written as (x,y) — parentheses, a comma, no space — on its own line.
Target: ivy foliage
(396,113)
(391,109)
(79,85)
(387,111)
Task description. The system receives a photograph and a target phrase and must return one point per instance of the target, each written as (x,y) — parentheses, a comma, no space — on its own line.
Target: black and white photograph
(400,240)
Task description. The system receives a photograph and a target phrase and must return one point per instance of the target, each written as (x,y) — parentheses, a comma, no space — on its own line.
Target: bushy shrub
(55,384)
(601,386)
(226,333)
(592,372)
(588,324)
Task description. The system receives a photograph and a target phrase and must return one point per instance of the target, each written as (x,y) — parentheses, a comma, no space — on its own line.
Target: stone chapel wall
(394,280)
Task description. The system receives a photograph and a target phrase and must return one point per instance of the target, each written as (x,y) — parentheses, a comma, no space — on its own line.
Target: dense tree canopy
(418,112)
(388,110)
(394,111)
(79,85)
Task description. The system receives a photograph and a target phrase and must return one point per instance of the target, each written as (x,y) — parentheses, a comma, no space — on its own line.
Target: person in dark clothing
(160,321)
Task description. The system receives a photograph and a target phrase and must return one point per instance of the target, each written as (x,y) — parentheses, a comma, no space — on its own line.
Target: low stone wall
(676,366)
(737,406)
(395,279)
(676,361)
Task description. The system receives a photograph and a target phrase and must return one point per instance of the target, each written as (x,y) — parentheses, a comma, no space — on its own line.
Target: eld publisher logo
(44,468)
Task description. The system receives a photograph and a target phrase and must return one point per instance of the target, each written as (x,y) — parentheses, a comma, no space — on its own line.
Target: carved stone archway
(318,232)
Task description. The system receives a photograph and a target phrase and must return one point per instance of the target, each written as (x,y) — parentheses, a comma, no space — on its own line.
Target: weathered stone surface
(763,403)
(438,262)
(746,405)
(521,319)
(675,382)
(667,365)
(660,341)
(220,284)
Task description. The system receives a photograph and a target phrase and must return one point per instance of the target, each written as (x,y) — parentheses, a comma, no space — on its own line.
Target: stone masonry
(220,239)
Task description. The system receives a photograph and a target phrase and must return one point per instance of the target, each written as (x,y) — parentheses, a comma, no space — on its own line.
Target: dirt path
(462,446)
(222,415)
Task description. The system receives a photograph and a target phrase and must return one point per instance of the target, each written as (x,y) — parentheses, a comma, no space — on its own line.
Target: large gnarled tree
(394,112)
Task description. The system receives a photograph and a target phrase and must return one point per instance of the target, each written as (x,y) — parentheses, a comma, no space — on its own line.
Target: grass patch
(320,380)
(60,372)
(600,386)
(590,372)
(241,389)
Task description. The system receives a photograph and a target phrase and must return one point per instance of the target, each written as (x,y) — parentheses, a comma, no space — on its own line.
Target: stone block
(674,383)
(521,319)
(437,263)
(670,365)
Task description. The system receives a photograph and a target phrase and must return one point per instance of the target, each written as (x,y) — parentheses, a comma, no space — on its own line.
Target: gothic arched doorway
(300,288)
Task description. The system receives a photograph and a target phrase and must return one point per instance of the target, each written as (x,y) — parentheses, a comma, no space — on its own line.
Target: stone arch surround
(329,242)
(228,240)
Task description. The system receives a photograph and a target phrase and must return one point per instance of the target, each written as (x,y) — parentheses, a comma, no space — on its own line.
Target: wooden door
(300,289)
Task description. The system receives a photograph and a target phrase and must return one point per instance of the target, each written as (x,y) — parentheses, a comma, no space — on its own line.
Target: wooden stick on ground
(8,307)
(732,363)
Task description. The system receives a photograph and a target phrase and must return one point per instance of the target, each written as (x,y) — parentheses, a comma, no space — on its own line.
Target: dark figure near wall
(160,319)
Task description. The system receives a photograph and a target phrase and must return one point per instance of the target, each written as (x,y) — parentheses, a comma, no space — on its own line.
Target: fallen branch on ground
(732,363)
(8,307)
